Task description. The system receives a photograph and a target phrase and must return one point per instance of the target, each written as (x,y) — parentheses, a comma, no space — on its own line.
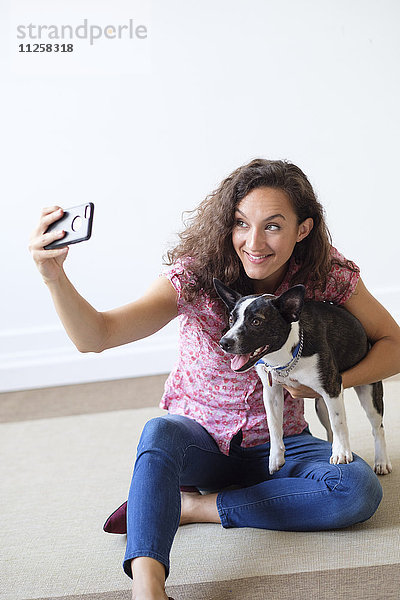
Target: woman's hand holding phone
(49,262)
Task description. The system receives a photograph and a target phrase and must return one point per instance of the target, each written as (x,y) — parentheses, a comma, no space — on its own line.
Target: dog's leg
(323,416)
(341,452)
(273,402)
(371,399)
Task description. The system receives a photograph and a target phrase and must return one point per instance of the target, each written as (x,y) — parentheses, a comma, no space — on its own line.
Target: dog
(292,341)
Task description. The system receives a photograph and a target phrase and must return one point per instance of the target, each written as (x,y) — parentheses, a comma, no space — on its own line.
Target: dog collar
(285,370)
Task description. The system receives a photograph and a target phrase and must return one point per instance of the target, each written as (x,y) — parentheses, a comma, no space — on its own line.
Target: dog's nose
(226,344)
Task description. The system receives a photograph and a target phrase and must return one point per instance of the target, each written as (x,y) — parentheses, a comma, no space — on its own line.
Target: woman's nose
(255,239)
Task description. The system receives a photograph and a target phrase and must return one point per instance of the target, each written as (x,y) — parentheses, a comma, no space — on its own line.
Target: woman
(261,231)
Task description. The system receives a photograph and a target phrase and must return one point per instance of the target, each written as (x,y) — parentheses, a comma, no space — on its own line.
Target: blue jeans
(307,494)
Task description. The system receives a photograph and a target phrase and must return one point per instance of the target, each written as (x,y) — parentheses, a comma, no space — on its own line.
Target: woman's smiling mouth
(257,259)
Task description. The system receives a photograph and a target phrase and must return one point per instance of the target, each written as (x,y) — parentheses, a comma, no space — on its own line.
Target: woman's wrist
(53,283)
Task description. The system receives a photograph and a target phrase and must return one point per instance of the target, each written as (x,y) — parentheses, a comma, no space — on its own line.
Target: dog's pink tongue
(239,360)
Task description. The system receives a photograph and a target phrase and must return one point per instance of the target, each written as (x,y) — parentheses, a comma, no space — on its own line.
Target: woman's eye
(256,322)
(270,227)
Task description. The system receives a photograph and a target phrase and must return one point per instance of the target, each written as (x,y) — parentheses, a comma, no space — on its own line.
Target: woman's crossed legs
(307,494)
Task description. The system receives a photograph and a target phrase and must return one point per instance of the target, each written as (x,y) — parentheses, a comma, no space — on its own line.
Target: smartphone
(77,224)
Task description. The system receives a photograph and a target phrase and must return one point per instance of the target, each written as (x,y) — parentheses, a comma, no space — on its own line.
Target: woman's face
(264,236)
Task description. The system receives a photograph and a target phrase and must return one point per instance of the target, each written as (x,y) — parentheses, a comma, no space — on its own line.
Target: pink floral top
(202,385)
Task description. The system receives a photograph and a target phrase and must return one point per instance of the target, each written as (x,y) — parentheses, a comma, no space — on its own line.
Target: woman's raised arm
(89,329)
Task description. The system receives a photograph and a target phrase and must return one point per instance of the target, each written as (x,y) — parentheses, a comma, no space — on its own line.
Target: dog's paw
(275,463)
(383,468)
(341,457)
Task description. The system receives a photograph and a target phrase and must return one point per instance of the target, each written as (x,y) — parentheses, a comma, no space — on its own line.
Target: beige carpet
(67,456)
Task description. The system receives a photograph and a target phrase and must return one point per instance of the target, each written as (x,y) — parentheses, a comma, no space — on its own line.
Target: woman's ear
(305,228)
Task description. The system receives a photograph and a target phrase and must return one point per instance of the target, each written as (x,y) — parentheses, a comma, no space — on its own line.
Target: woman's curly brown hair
(207,238)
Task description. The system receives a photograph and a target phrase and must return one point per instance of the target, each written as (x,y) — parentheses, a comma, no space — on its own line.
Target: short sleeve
(179,276)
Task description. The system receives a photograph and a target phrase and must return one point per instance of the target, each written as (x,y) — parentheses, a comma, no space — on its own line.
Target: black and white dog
(292,341)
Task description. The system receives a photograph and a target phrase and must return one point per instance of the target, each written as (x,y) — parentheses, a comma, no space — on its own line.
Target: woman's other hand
(301,391)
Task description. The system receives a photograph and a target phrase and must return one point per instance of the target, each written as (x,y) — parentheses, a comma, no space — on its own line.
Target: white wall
(146,129)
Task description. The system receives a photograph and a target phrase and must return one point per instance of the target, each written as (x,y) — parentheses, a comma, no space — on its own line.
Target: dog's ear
(228,296)
(290,303)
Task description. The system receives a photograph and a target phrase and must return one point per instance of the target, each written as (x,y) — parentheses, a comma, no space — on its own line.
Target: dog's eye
(231,320)
(256,322)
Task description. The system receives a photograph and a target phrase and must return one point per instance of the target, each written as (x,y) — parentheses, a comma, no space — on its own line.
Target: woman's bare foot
(198,508)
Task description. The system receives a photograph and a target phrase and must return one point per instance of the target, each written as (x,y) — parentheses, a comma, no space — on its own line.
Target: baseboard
(39,358)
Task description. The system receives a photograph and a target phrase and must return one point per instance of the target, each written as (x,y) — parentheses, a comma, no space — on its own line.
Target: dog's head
(258,324)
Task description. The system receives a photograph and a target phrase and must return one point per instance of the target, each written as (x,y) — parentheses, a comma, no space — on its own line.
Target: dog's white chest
(277,378)
(305,373)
